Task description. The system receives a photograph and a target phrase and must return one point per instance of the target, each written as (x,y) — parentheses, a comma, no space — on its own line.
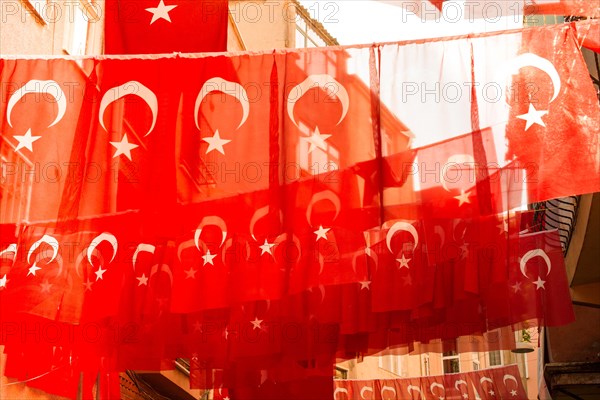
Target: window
(495,358)
(41,10)
(340,373)
(306,36)
(392,364)
(476,363)
(451,363)
(82,32)
(76,32)
(300,39)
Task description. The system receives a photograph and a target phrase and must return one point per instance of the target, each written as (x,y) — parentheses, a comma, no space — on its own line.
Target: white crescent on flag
(234,89)
(210,220)
(401,226)
(509,377)
(388,389)
(103,237)
(417,389)
(365,389)
(513,67)
(142,247)
(133,88)
(340,390)
(531,254)
(460,160)
(324,195)
(325,82)
(50,240)
(437,385)
(10,249)
(458,383)
(258,214)
(43,87)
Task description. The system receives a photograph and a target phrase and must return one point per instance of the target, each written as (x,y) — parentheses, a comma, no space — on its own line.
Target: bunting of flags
(494,383)
(265,215)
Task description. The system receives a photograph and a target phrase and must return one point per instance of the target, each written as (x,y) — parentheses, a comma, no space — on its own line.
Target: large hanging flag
(159,26)
(552,105)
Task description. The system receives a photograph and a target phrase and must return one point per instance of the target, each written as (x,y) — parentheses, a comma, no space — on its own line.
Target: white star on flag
(3,281)
(190,274)
(463,198)
(365,285)
(403,262)
(465,395)
(26,140)
(123,147)
(34,268)
(267,247)
(46,286)
(503,226)
(321,233)
(317,140)
(516,287)
(540,283)
(100,273)
(161,11)
(256,323)
(88,285)
(513,393)
(533,116)
(491,392)
(143,280)
(208,258)
(216,143)
(197,326)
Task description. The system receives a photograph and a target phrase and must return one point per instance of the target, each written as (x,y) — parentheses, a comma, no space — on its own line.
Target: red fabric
(158,26)
(588,34)
(502,382)
(578,8)
(264,215)
(537,252)
(547,115)
(437,3)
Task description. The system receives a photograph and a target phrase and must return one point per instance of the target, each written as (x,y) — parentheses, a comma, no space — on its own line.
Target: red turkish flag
(451,178)
(159,26)
(554,106)
(36,153)
(128,152)
(538,281)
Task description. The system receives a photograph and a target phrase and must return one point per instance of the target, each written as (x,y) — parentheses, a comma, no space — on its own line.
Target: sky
(367,21)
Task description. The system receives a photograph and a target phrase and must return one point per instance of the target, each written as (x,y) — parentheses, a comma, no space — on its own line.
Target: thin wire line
(32,379)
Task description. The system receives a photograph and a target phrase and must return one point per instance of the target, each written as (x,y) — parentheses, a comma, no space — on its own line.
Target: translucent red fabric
(265,215)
